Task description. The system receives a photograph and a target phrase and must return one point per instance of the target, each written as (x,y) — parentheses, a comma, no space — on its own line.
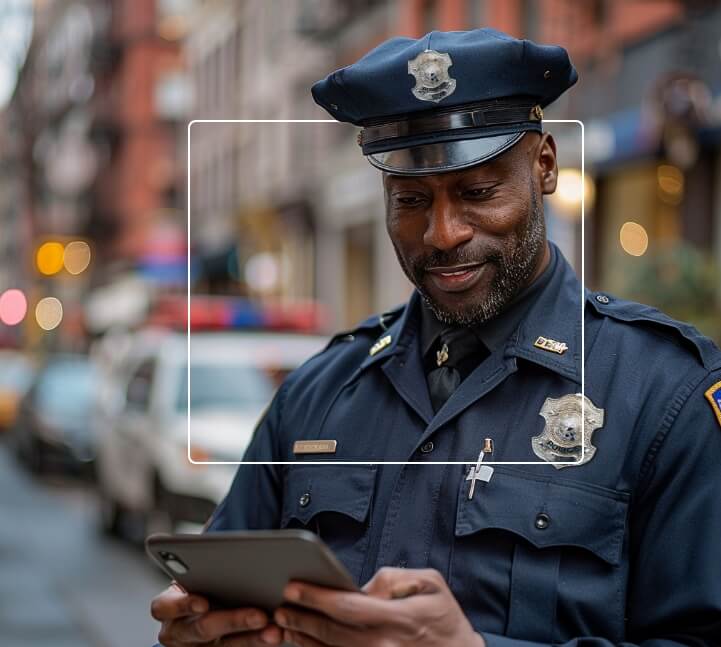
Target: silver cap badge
(566,437)
(430,70)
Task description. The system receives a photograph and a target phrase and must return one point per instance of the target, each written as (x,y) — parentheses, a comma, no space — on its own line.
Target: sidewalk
(61,583)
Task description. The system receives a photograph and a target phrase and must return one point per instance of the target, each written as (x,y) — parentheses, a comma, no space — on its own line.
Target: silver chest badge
(565,438)
(430,70)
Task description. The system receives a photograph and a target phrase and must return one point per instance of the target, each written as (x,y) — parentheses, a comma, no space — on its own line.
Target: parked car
(145,478)
(52,427)
(16,376)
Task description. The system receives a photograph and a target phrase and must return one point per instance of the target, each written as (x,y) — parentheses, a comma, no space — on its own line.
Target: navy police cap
(445,101)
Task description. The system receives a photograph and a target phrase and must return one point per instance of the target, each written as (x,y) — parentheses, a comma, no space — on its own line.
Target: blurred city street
(123,230)
(72,587)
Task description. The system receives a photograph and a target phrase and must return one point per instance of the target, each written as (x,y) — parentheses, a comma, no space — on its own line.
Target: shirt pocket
(548,554)
(333,501)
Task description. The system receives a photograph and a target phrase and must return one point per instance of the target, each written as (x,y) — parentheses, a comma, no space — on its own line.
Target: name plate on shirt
(314,446)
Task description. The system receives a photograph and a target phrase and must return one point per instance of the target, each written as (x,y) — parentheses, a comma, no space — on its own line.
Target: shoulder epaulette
(371,327)
(637,313)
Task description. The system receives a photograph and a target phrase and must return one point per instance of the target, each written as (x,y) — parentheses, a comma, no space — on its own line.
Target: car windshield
(15,374)
(66,390)
(223,386)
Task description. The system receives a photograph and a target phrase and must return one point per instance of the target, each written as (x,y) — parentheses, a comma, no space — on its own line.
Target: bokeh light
(49,313)
(173,27)
(670,183)
(49,258)
(572,189)
(634,239)
(77,256)
(13,307)
(262,272)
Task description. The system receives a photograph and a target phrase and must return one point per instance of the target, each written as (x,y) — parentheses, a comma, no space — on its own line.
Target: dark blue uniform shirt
(623,549)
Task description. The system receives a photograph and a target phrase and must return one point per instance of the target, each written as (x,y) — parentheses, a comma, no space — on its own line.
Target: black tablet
(247,568)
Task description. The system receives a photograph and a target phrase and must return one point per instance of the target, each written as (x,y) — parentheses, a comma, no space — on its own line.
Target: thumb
(397,583)
(175,603)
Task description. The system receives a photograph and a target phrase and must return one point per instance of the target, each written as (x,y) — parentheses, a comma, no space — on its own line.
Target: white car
(145,478)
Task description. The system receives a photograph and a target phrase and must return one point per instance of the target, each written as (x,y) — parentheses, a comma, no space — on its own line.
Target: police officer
(522,478)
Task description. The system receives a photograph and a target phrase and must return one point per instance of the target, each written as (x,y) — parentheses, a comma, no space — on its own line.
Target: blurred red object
(227,313)
(308,316)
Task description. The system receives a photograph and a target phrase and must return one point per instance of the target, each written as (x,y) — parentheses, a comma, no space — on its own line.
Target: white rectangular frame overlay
(469,462)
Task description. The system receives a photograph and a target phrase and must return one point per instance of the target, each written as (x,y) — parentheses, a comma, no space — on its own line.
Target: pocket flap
(311,489)
(547,513)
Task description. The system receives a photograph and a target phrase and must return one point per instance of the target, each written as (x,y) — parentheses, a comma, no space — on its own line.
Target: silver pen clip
(479,472)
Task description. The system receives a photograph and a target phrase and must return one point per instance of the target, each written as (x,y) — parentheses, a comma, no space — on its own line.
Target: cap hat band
(492,114)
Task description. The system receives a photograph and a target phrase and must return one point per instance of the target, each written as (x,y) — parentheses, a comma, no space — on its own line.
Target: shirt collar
(549,333)
(552,312)
(549,309)
(398,336)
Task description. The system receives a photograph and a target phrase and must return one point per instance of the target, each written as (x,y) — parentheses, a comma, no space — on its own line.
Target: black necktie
(458,352)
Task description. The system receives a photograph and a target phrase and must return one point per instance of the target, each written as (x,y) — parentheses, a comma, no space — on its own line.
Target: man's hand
(397,607)
(186,621)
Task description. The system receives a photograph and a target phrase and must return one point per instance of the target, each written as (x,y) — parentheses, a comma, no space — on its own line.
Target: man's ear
(546,163)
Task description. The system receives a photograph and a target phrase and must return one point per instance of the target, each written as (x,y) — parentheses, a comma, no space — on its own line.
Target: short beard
(515,267)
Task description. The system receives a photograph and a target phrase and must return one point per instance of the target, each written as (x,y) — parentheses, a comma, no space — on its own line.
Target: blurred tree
(681,281)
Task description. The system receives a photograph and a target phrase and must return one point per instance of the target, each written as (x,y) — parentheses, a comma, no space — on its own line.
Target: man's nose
(447,227)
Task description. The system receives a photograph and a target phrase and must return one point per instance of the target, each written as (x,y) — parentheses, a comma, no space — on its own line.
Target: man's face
(471,240)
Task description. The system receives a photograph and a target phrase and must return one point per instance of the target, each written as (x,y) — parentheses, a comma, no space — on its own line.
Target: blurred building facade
(54,160)
(653,147)
(98,133)
(14,239)
(648,95)
(95,116)
(248,61)
(141,97)
(140,105)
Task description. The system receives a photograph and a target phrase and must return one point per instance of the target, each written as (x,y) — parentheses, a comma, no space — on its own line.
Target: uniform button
(304,500)
(602,298)
(542,521)
(427,448)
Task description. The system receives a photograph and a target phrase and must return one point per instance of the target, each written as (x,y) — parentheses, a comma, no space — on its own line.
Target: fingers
(318,628)
(174,603)
(271,635)
(396,583)
(301,640)
(388,584)
(428,613)
(342,606)
(217,624)
(212,626)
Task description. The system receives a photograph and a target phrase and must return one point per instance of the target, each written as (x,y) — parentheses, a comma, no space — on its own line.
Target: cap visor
(441,157)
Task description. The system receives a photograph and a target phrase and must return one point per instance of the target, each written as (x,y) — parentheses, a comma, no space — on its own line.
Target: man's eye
(409,200)
(482,192)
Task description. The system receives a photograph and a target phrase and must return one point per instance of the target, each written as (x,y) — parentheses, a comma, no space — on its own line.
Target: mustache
(462,256)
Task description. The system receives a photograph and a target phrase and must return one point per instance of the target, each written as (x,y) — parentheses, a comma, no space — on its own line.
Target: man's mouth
(456,278)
